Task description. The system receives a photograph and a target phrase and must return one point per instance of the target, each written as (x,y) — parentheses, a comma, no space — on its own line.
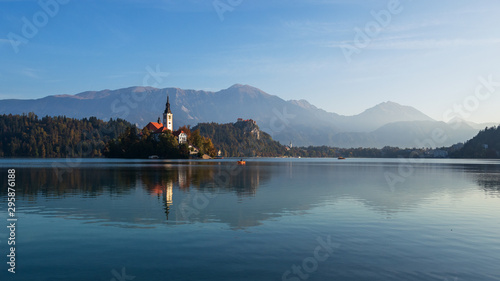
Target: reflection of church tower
(168,196)
(168,117)
(169,193)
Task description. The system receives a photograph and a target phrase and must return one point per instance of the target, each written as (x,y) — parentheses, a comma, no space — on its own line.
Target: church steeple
(168,117)
(167,107)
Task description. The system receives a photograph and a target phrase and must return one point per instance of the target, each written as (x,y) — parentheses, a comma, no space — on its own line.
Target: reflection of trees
(487,177)
(243,180)
(164,182)
(50,182)
(212,178)
(94,181)
(489,180)
(151,191)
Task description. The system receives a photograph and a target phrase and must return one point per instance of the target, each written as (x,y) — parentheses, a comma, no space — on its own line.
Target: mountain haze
(297,121)
(382,114)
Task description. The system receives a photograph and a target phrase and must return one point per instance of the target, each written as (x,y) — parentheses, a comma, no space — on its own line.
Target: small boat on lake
(341,158)
(241,162)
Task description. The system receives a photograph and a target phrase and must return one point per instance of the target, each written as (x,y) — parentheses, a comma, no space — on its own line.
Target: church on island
(159,127)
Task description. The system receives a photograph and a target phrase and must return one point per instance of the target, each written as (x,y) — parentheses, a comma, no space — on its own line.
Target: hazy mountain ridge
(409,134)
(297,121)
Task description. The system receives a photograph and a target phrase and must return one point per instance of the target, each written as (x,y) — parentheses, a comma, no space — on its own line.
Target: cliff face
(249,127)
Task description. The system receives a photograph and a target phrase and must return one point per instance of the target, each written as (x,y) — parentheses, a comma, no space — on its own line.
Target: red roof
(154,126)
(161,130)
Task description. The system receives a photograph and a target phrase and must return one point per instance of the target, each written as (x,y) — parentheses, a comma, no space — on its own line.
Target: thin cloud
(406,43)
(125,74)
(396,28)
(30,72)
(337,44)
(319,28)
(430,43)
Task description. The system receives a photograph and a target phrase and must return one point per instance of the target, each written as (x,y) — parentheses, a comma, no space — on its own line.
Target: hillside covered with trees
(241,139)
(27,135)
(486,144)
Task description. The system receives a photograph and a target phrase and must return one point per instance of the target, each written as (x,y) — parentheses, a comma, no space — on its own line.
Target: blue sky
(428,55)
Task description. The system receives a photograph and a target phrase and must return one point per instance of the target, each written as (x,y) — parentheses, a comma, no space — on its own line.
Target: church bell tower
(168,117)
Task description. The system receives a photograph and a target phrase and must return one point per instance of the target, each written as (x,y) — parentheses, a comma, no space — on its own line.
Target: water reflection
(217,221)
(145,194)
(130,194)
(487,178)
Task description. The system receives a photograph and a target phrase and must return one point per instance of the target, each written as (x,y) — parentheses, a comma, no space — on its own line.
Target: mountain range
(295,121)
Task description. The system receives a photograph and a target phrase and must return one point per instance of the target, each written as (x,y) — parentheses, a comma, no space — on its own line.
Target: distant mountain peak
(303,103)
(237,85)
(389,104)
(388,108)
(245,89)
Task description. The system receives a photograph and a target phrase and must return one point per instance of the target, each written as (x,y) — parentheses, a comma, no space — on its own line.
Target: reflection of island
(122,182)
(144,194)
(164,192)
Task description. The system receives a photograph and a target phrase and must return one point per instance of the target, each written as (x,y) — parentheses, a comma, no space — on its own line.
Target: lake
(272,219)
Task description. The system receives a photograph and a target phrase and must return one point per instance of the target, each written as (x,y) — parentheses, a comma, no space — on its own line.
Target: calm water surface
(273,219)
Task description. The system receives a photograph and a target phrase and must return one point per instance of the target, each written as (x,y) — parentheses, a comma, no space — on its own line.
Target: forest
(27,135)
(486,144)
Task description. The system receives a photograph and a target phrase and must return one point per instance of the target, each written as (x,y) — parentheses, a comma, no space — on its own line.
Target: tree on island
(142,144)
